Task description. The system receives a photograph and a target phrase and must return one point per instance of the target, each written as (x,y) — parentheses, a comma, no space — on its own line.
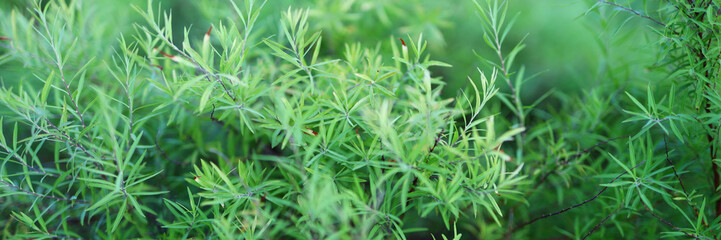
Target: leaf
(46,88)
(120,215)
(625,168)
(102,202)
(224,177)
(437,63)
(638,104)
(204,99)
(383,90)
(644,199)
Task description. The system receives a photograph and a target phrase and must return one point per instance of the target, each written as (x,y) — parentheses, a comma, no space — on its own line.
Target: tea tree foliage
(274,127)
(309,147)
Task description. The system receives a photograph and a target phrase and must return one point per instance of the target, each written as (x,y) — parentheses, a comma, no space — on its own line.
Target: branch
(565,162)
(22,162)
(574,206)
(77,109)
(59,64)
(602,221)
(221,122)
(667,222)
(665,145)
(435,143)
(69,140)
(634,12)
(591,148)
(72,142)
(40,195)
(205,72)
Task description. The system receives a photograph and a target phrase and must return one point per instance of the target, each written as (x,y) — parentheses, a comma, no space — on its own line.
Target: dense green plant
(277,124)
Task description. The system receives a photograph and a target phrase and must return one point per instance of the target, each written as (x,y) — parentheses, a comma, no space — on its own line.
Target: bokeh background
(572,44)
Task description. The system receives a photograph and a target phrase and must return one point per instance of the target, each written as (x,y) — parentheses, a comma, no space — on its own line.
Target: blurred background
(569,42)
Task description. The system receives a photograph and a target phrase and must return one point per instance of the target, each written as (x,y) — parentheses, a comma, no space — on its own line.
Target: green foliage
(268,121)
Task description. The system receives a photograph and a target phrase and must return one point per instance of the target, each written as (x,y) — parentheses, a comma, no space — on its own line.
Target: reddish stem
(164,54)
(311,131)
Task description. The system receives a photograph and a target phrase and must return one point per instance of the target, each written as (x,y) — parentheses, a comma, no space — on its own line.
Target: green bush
(330,120)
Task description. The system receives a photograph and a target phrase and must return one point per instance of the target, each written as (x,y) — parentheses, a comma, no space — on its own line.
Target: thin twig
(59,64)
(507,75)
(574,206)
(634,12)
(214,118)
(18,52)
(68,139)
(77,109)
(503,61)
(130,111)
(40,195)
(665,146)
(577,155)
(591,148)
(221,122)
(22,162)
(435,144)
(667,222)
(680,182)
(305,68)
(602,221)
(205,72)
(72,142)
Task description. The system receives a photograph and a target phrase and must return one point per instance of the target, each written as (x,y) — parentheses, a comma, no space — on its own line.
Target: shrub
(264,127)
